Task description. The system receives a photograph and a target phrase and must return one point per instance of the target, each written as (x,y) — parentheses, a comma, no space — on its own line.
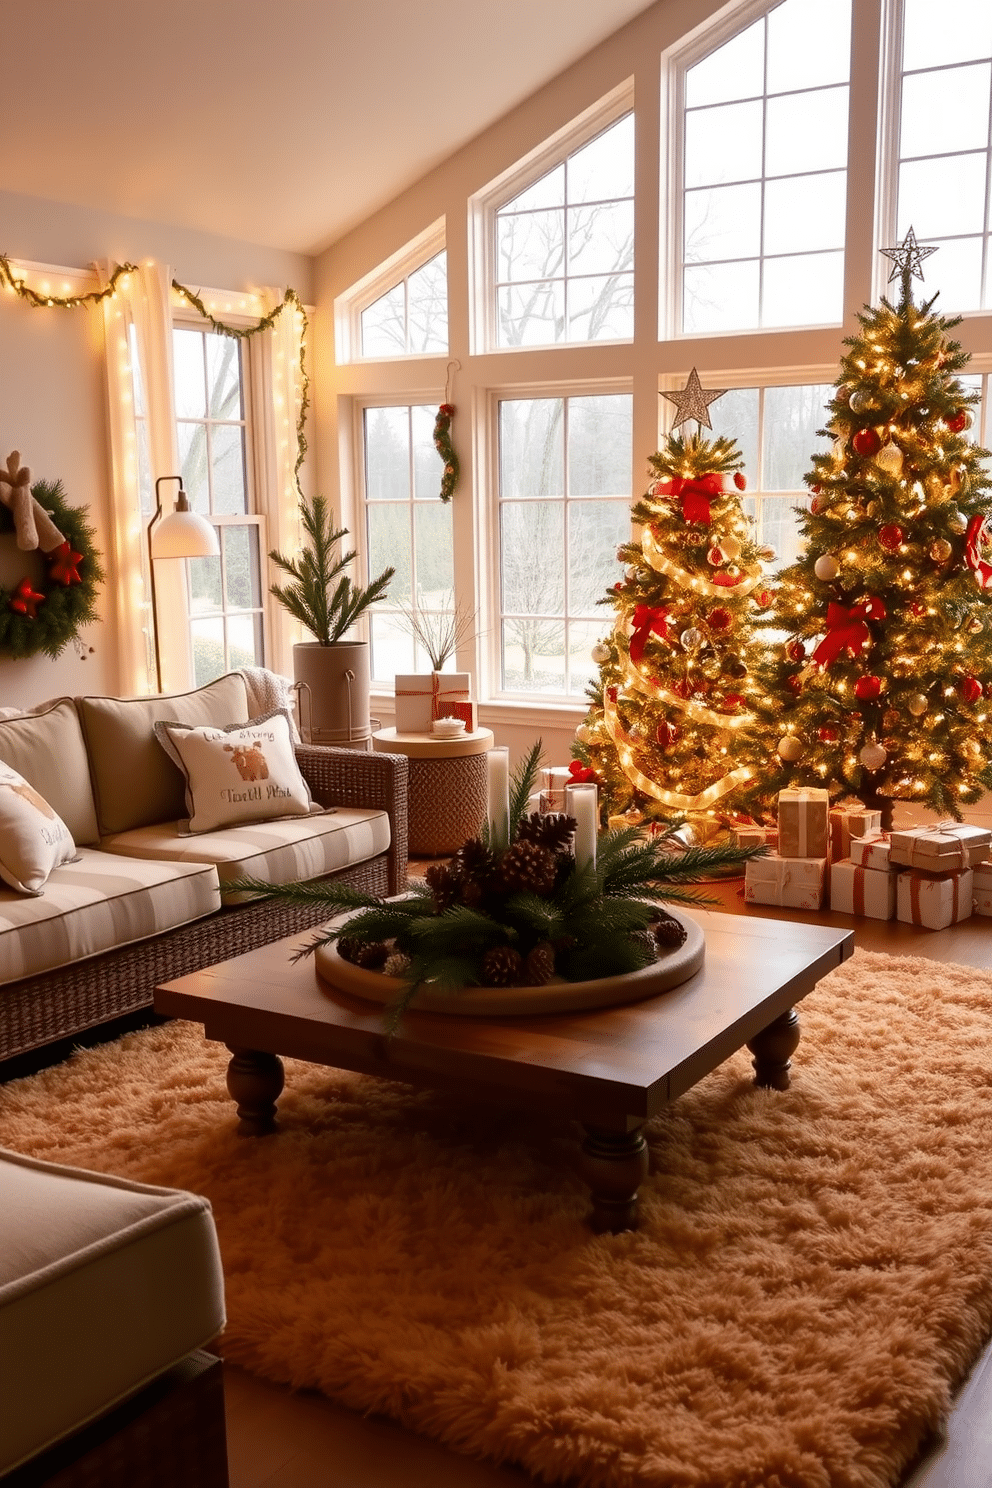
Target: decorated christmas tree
(877,688)
(677,671)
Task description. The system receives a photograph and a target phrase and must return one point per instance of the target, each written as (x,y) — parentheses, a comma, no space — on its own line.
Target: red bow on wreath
(975,538)
(646,621)
(846,628)
(26,600)
(65,565)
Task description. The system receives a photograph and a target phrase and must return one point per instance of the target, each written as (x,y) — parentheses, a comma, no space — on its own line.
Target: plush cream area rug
(811,1280)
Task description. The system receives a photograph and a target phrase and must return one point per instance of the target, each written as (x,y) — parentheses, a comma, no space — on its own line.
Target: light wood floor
(281,1439)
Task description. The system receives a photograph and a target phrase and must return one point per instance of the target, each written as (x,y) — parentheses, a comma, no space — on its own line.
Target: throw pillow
(33,837)
(244,773)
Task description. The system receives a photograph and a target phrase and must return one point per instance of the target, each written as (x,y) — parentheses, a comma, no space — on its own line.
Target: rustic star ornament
(65,565)
(693,402)
(26,600)
(908,258)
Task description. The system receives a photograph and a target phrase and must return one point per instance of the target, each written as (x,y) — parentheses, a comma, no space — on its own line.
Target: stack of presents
(931,876)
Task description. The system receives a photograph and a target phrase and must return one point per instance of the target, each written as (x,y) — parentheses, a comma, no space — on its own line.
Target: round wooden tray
(670,970)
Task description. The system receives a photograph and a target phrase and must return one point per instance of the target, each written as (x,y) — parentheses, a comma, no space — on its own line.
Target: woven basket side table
(448,790)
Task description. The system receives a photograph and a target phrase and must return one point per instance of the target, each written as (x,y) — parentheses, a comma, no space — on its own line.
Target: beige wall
(53,405)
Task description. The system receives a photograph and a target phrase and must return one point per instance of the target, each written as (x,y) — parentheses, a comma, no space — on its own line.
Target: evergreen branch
(522,784)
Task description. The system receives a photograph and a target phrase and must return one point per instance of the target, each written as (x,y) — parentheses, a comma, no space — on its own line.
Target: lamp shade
(184,534)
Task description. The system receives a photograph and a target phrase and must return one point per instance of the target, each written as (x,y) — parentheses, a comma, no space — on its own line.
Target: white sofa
(144,902)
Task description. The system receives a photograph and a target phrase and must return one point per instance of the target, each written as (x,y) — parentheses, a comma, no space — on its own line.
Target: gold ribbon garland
(661,564)
(707,797)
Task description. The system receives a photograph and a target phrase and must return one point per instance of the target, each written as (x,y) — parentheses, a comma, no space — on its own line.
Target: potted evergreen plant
(333,673)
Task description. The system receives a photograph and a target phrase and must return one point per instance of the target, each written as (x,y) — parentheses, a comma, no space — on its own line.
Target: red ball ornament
(719,619)
(867,688)
(716,557)
(817,504)
(740,480)
(667,734)
(918,608)
(866,442)
(958,422)
(890,537)
(827,734)
(796,651)
(971,689)
(764,599)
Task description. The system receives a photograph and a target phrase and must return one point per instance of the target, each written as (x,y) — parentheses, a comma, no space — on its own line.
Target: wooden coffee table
(611,1069)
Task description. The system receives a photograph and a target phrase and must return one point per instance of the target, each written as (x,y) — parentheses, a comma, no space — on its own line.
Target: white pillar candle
(498,798)
(582,802)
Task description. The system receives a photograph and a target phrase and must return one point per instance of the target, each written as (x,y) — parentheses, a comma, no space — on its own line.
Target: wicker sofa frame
(71,999)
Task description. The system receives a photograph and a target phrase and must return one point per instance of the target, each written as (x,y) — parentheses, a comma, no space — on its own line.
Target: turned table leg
(773,1048)
(255,1081)
(614,1164)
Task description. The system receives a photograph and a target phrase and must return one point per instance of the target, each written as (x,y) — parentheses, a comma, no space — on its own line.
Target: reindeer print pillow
(33,837)
(245,773)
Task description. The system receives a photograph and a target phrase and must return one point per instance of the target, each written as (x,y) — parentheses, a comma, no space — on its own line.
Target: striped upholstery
(282,851)
(97,904)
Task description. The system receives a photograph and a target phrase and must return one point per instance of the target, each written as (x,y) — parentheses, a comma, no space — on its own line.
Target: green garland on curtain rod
(264,324)
(62,302)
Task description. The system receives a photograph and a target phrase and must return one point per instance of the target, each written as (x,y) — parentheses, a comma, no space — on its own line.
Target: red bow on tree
(26,601)
(65,565)
(696,497)
(975,537)
(846,628)
(581,774)
(646,621)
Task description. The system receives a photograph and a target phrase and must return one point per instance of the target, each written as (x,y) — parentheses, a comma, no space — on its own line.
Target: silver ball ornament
(826,567)
(860,402)
(600,653)
(918,705)
(889,458)
(692,638)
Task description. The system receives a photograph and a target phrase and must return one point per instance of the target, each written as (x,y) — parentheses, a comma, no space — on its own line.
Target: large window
(564,507)
(565,248)
(944,145)
(408,527)
(764,173)
(225,593)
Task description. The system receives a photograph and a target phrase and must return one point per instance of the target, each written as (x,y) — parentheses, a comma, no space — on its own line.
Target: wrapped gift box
(934,901)
(423,696)
(794,882)
(940,849)
(852,820)
(871,851)
(982,900)
(756,837)
(862,891)
(803,817)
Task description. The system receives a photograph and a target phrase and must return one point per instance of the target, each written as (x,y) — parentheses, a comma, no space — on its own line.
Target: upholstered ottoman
(107,1291)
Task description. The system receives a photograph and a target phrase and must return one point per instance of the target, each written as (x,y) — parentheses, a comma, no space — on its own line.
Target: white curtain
(138,319)
(277,383)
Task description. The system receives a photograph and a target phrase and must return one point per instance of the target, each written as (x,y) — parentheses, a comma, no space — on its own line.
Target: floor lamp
(180,534)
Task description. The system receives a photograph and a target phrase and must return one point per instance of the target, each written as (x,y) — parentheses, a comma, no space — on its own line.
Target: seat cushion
(134,781)
(48,749)
(278,851)
(104,1284)
(97,904)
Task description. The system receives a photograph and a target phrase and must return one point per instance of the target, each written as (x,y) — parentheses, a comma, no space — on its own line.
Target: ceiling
(279,122)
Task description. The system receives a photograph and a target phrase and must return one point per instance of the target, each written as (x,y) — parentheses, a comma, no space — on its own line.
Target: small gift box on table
(847,821)
(423,696)
(862,891)
(871,851)
(940,849)
(756,837)
(982,900)
(934,901)
(796,883)
(803,823)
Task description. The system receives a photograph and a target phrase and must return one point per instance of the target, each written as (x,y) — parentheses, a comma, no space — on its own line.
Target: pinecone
(550,831)
(527,866)
(669,932)
(444,883)
(646,939)
(502,966)
(539,965)
(397,965)
(371,955)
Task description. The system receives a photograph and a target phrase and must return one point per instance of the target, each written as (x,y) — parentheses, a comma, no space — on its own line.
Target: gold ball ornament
(826,567)
(890,720)
(957,521)
(790,749)
(873,756)
(731,548)
(600,653)
(585,734)
(940,550)
(975,625)
(918,705)
(889,458)
(767,554)
(972,748)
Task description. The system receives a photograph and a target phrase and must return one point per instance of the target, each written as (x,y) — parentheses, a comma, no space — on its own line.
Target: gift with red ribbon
(847,630)
(647,622)
(935,903)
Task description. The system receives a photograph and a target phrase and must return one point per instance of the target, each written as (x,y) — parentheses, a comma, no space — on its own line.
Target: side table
(448,786)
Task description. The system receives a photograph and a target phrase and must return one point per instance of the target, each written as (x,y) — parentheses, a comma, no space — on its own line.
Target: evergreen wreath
(48,618)
(444,447)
